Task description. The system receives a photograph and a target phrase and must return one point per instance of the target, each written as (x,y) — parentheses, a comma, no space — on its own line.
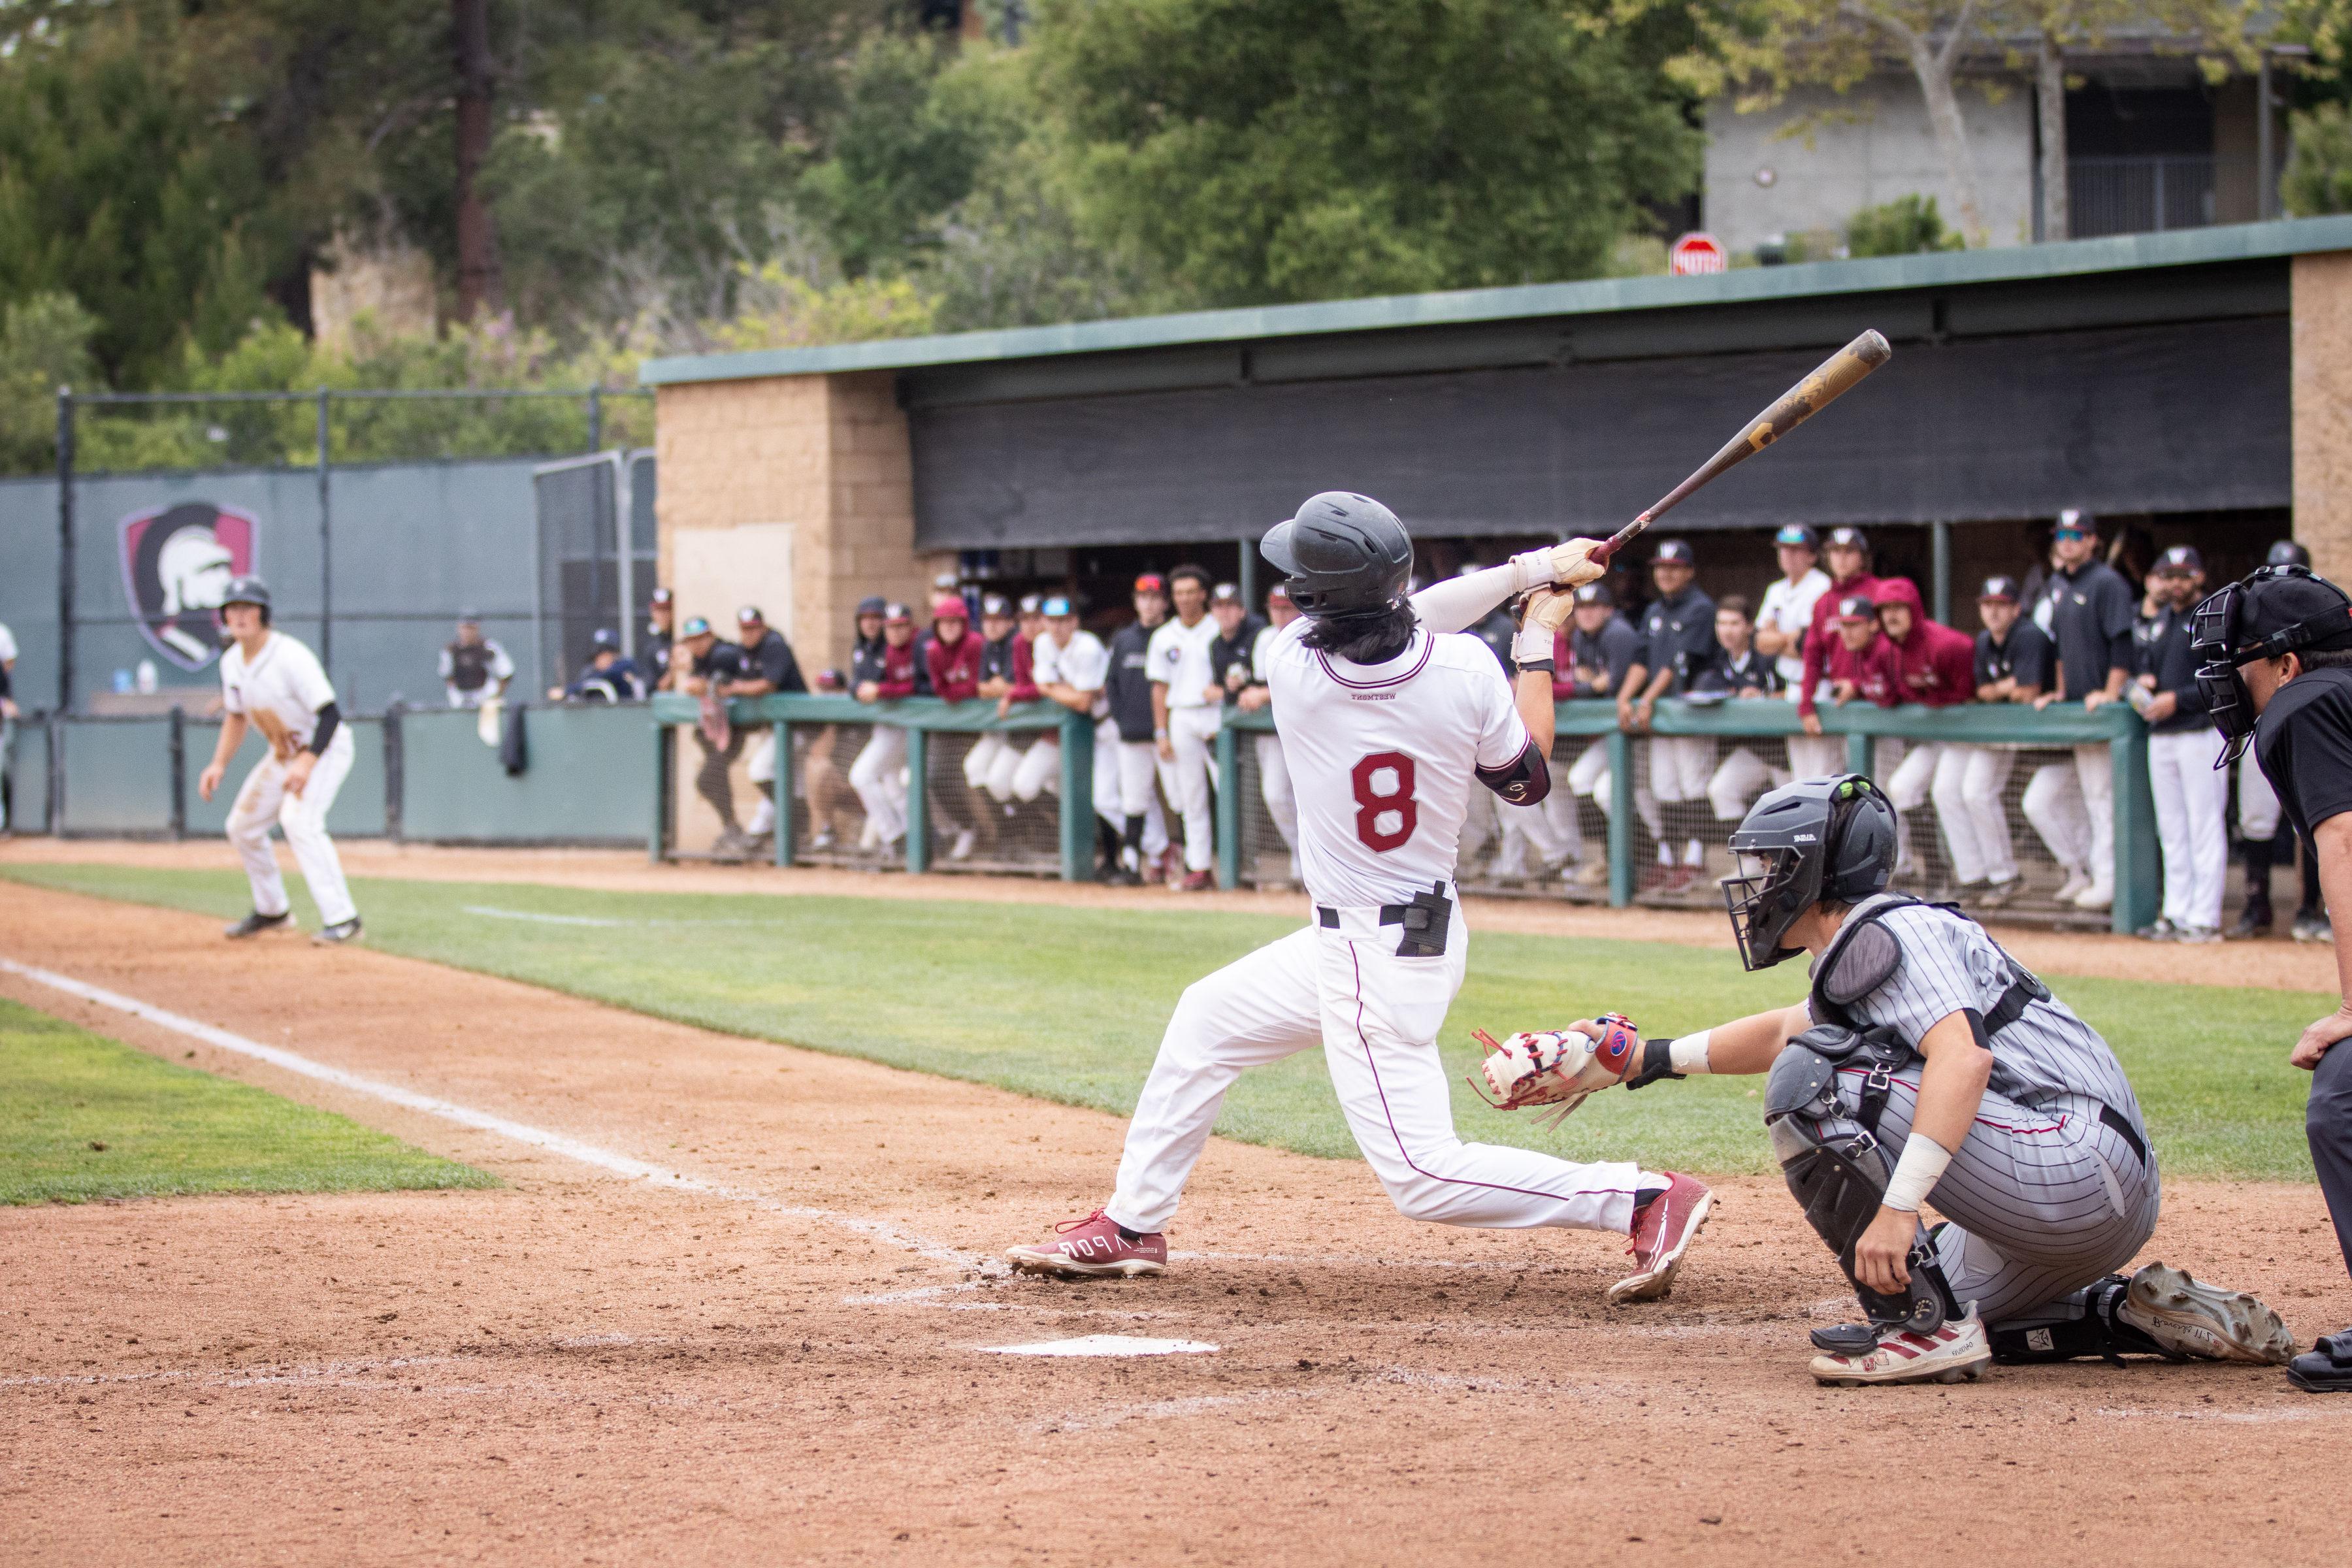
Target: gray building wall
(1877,148)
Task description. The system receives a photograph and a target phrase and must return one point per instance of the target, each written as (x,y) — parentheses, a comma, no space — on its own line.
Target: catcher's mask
(1818,838)
(1344,555)
(2277,610)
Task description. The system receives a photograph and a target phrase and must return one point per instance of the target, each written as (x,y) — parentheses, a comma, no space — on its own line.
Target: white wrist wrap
(1531,569)
(1917,1173)
(1688,1055)
(1534,644)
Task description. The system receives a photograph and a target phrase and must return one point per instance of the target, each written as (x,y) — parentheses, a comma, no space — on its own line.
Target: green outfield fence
(2137,871)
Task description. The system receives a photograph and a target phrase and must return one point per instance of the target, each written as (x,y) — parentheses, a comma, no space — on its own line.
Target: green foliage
(1312,148)
(904,153)
(44,344)
(2318,175)
(1903,227)
(1068,1004)
(83,1117)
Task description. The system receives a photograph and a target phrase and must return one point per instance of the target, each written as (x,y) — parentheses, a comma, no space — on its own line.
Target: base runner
(1387,717)
(1928,1064)
(275,684)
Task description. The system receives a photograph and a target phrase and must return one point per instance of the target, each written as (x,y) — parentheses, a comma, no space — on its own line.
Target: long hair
(1373,636)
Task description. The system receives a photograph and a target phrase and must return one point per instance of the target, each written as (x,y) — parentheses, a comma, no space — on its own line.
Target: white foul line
(484,1121)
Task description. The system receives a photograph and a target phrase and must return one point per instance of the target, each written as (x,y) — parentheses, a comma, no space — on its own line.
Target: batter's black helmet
(1814,839)
(249,590)
(1344,555)
(2287,552)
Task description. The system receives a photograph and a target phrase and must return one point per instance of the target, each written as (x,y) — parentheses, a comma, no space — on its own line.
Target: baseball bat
(1829,380)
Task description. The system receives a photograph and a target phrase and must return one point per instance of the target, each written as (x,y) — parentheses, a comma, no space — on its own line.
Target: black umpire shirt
(2163,647)
(1128,689)
(1611,651)
(1681,633)
(770,659)
(2025,655)
(2304,741)
(2092,625)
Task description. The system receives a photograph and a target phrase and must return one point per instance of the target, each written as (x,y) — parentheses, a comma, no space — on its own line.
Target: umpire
(2276,651)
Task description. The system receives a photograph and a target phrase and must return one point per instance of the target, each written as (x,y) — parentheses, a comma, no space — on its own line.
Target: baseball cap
(695,627)
(2287,552)
(1152,583)
(1279,593)
(871,604)
(469,617)
(748,614)
(996,607)
(1595,594)
(2274,605)
(945,582)
(660,596)
(2180,558)
(896,612)
(1033,603)
(1797,533)
(1675,552)
(830,680)
(1058,606)
(2078,522)
(1857,608)
(1848,538)
(1225,593)
(605,638)
(950,607)
(1999,587)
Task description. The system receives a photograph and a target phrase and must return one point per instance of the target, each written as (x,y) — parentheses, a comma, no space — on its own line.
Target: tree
(1267,149)
(44,344)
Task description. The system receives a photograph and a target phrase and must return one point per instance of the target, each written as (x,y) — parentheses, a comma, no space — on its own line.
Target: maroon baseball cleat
(1660,1236)
(1199,882)
(1092,1248)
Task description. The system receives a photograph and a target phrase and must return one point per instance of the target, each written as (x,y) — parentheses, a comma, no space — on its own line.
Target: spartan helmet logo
(177,561)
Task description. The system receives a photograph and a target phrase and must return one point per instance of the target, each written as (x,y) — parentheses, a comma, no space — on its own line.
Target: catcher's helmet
(248,590)
(2287,552)
(1344,555)
(1814,839)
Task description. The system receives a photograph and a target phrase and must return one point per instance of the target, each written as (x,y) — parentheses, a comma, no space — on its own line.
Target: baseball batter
(1388,718)
(275,684)
(1927,1063)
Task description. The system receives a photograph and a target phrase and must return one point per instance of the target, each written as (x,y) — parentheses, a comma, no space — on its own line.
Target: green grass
(83,1117)
(1068,1004)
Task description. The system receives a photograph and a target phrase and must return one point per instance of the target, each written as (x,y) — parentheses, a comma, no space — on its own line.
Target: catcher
(1927,1063)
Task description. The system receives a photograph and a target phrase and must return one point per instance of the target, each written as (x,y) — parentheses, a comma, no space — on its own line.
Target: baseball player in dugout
(474,668)
(1186,711)
(1927,1066)
(2277,671)
(274,684)
(1390,714)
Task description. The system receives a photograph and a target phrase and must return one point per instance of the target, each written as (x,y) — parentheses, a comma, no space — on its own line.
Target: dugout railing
(933,730)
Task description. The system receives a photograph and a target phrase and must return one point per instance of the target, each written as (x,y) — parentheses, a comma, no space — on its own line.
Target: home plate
(1105,1344)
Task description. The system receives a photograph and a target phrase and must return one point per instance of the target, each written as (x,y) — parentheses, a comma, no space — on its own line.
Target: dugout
(2192,387)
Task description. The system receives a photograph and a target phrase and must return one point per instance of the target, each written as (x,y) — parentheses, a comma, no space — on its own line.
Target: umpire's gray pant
(2043,1200)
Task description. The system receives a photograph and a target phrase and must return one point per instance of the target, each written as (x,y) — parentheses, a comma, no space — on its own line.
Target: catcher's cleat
(1661,1238)
(341,931)
(2188,1318)
(1956,1352)
(1092,1248)
(2325,1367)
(254,923)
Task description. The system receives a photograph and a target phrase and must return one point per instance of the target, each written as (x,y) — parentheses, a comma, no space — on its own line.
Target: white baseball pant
(1968,795)
(1012,772)
(2191,798)
(2258,804)
(1194,733)
(1816,757)
(1738,780)
(263,799)
(1139,770)
(878,777)
(1589,775)
(979,761)
(2074,810)
(1680,766)
(1274,787)
(1522,829)
(1377,1018)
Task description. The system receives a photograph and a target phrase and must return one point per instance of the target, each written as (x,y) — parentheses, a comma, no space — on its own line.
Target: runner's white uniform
(1084,666)
(1382,757)
(1179,660)
(281,691)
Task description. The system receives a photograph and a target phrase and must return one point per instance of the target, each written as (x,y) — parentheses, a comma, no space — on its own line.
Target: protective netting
(995,801)
(1268,815)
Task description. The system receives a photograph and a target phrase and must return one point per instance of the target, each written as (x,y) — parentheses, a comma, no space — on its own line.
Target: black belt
(1426,919)
(1390,915)
(2109,1116)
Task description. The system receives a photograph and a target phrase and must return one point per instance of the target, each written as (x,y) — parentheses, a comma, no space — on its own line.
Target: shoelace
(1068,1225)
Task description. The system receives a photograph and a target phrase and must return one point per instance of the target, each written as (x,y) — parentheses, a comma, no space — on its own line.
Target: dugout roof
(2139,373)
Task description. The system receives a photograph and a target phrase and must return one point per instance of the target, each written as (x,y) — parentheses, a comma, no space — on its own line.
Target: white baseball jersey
(1178,655)
(281,690)
(1383,758)
(1084,665)
(1788,608)
(1262,650)
(8,646)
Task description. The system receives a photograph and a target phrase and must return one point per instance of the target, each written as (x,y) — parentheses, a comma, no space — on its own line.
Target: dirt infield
(2269,965)
(583,1368)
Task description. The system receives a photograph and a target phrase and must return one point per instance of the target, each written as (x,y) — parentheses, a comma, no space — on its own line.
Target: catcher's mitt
(1554,1066)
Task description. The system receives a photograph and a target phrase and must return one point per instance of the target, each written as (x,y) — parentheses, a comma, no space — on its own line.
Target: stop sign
(1694,253)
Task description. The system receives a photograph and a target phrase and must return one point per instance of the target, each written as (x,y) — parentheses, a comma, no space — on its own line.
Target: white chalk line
(535,917)
(571,1148)
(1095,1420)
(2321,1411)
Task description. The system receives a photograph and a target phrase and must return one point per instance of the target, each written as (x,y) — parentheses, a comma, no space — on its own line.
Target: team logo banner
(177,561)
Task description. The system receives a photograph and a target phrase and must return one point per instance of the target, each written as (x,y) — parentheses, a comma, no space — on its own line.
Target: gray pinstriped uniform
(2043,1197)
